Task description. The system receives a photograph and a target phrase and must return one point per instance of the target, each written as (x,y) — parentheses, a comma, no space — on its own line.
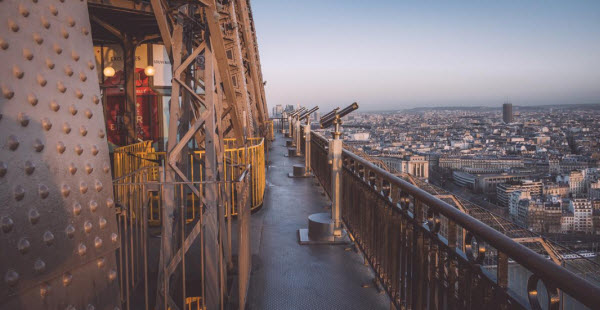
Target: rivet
(61,87)
(91,65)
(72,169)
(95,99)
(73,109)
(34,216)
(38,38)
(23,119)
(11,278)
(94,150)
(67,278)
(93,206)
(48,237)
(83,187)
(76,208)
(41,80)
(65,190)
(27,54)
(13,142)
(54,106)
(3,168)
(38,146)
(70,21)
(46,124)
(43,191)
(49,64)
(114,237)
(60,147)
(110,203)
(29,167)
(102,223)
(90,307)
(19,192)
(23,246)
(7,93)
(32,99)
(12,25)
(3,44)
(100,262)
(88,113)
(75,56)
(45,23)
(70,307)
(85,31)
(79,94)
(98,186)
(68,70)
(78,149)
(57,48)
(97,242)
(82,77)
(70,231)
(7,224)
(53,10)
(88,168)
(23,10)
(45,290)
(64,33)
(101,134)
(112,275)
(17,72)
(106,168)
(66,128)
(81,249)
(83,130)
(39,266)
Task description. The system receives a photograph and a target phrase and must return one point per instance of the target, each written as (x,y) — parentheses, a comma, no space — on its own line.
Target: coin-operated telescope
(300,171)
(325,227)
(291,119)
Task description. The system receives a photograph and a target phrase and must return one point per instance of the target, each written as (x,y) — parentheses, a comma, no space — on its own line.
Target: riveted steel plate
(58,232)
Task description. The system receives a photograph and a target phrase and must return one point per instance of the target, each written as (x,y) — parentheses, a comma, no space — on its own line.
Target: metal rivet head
(81,249)
(12,25)
(41,80)
(3,168)
(38,146)
(45,22)
(43,191)
(78,94)
(23,246)
(61,87)
(88,113)
(7,92)
(110,203)
(93,206)
(88,168)
(64,33)
(85,31)
(95,150)
(54,106)
(98,185)
(75,56)
(68,70)
(7,224)
(49,64)
(70,231)
(27,54)
(114,237)
(57,48)
(90,307)
(46,124)
(101,134)
(19,192)
(39,266)
(72,169)
(67,278)
(83,187)
(48,238)
(37,38)
(65,190)
(17,72)
(102,223)
(60,147)
(23,119)
(32,99)
(70,21)
(45,290)
(100,262)
(3,44)
(76,208)
(83,131)
(82,76)
(78,149)
(66,128)
(106,168)
(97,242)
(13,142)
(23,10)
(34,216)
(112,275)
(91,65)
(29,167)
(95,99)
(11,277)
(70,307)
(53,10)
(73,109)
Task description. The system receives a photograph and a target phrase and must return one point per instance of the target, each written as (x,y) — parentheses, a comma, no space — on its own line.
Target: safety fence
(140,156)
(429,255)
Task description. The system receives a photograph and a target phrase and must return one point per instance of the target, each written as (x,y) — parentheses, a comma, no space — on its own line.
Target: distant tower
(507,114)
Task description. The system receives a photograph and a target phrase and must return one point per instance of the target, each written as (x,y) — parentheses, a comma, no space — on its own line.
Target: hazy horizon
(388,55)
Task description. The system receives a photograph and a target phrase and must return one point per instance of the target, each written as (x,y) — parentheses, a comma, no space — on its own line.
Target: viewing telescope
(302,109)
(308,113)
(328,115)
(334,115)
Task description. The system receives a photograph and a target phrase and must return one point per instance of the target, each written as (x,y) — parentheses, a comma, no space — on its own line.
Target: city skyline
(395,56)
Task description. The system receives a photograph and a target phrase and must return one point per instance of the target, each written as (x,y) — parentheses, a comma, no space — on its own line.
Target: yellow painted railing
(235,160)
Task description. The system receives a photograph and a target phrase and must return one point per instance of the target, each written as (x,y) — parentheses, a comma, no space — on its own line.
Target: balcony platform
(287,275)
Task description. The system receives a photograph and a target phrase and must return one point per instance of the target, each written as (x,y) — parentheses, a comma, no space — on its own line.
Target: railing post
(335,160)
(307,168)
(297,136)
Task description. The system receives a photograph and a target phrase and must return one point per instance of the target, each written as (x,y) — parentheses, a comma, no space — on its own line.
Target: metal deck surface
(287,275)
